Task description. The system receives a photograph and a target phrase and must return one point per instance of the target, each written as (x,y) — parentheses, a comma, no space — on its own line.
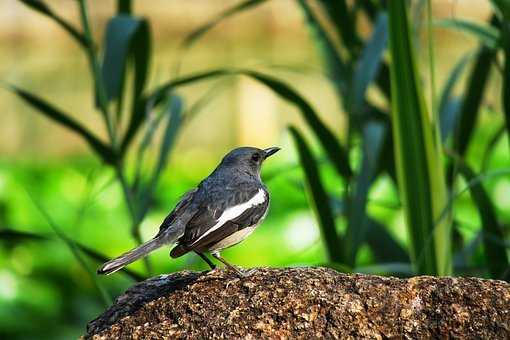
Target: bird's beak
(271,151)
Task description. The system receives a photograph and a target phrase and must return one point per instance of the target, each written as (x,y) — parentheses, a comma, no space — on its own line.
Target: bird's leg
(238,271)
(206,259)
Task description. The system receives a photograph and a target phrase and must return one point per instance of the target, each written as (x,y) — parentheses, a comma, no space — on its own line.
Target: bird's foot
(242,273)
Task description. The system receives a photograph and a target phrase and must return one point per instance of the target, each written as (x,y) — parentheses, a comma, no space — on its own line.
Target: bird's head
(248,158)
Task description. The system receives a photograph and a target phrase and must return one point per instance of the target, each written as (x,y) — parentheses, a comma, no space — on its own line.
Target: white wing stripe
(235,211)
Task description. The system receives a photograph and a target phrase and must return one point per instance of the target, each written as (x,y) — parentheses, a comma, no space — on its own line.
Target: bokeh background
(55,191)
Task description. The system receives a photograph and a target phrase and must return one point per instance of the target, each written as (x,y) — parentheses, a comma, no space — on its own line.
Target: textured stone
(306,303)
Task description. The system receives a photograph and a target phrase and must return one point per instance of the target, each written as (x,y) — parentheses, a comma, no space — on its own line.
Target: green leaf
(124,6)
(336,153)
(200,31)
(357,225)
(126,37)
(173,111)
(383,245)
(486,34)
(41,7)
(503,8)
(369,64)
(172,129)
(337,68)
(72,247)
(449,106)
(318,198)
(493,234)
(419,169)
(472,100)
(344,21)
(505,95)
(15,236)
(63,119)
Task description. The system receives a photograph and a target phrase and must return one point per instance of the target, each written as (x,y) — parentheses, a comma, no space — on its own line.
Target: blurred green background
(63,208)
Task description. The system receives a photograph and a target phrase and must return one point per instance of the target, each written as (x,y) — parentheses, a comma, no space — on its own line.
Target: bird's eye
(255,157)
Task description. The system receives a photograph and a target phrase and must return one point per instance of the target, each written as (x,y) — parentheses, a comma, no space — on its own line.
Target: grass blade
(369,63)
(124,6)
(125,37)
(448,105)
(73,248)
(63,119)
(486,34)
(344,21)
(318,198)
(337,69)
(173,110)
(172,129)
(199,32)
(357,225)
(41,7)
(506,77)
(496,253)
(419,169)
(472,101)
(382,244)
(15,236)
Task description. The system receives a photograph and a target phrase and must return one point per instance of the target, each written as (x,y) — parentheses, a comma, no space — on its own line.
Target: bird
(223,210)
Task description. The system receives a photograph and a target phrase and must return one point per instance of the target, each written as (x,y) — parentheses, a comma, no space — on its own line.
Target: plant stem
(432,66)
(100,90)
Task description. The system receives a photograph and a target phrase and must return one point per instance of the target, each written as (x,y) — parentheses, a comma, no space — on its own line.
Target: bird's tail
(131,256)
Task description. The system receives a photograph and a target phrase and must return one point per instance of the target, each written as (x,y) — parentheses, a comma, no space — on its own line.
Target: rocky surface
(306,303)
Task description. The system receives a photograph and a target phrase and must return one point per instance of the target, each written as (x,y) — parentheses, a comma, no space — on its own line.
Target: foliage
(417,135)
(419,151)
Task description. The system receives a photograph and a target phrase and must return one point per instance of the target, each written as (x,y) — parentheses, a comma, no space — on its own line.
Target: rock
(306,303)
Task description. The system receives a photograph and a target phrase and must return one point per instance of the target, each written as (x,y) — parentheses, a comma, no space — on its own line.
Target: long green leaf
(124,6)
(126,37)
(335,151)
(344,21)
(338,69)
(468,115)
(420,174)
(486,34)
(43,8)
(174,110)
(15,236)
(63,119)
(200,31)
(383,245)
(318,198)
(503,8)
(496,254)
(449,106)
(357,225)
(369,64)
(505,95)
(72,247)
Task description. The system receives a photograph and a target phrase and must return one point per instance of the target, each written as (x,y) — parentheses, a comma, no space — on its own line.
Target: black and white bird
(220,212)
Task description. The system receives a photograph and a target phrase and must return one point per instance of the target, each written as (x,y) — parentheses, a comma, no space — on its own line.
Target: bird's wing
(183,205)
(240,205)
(249,217)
